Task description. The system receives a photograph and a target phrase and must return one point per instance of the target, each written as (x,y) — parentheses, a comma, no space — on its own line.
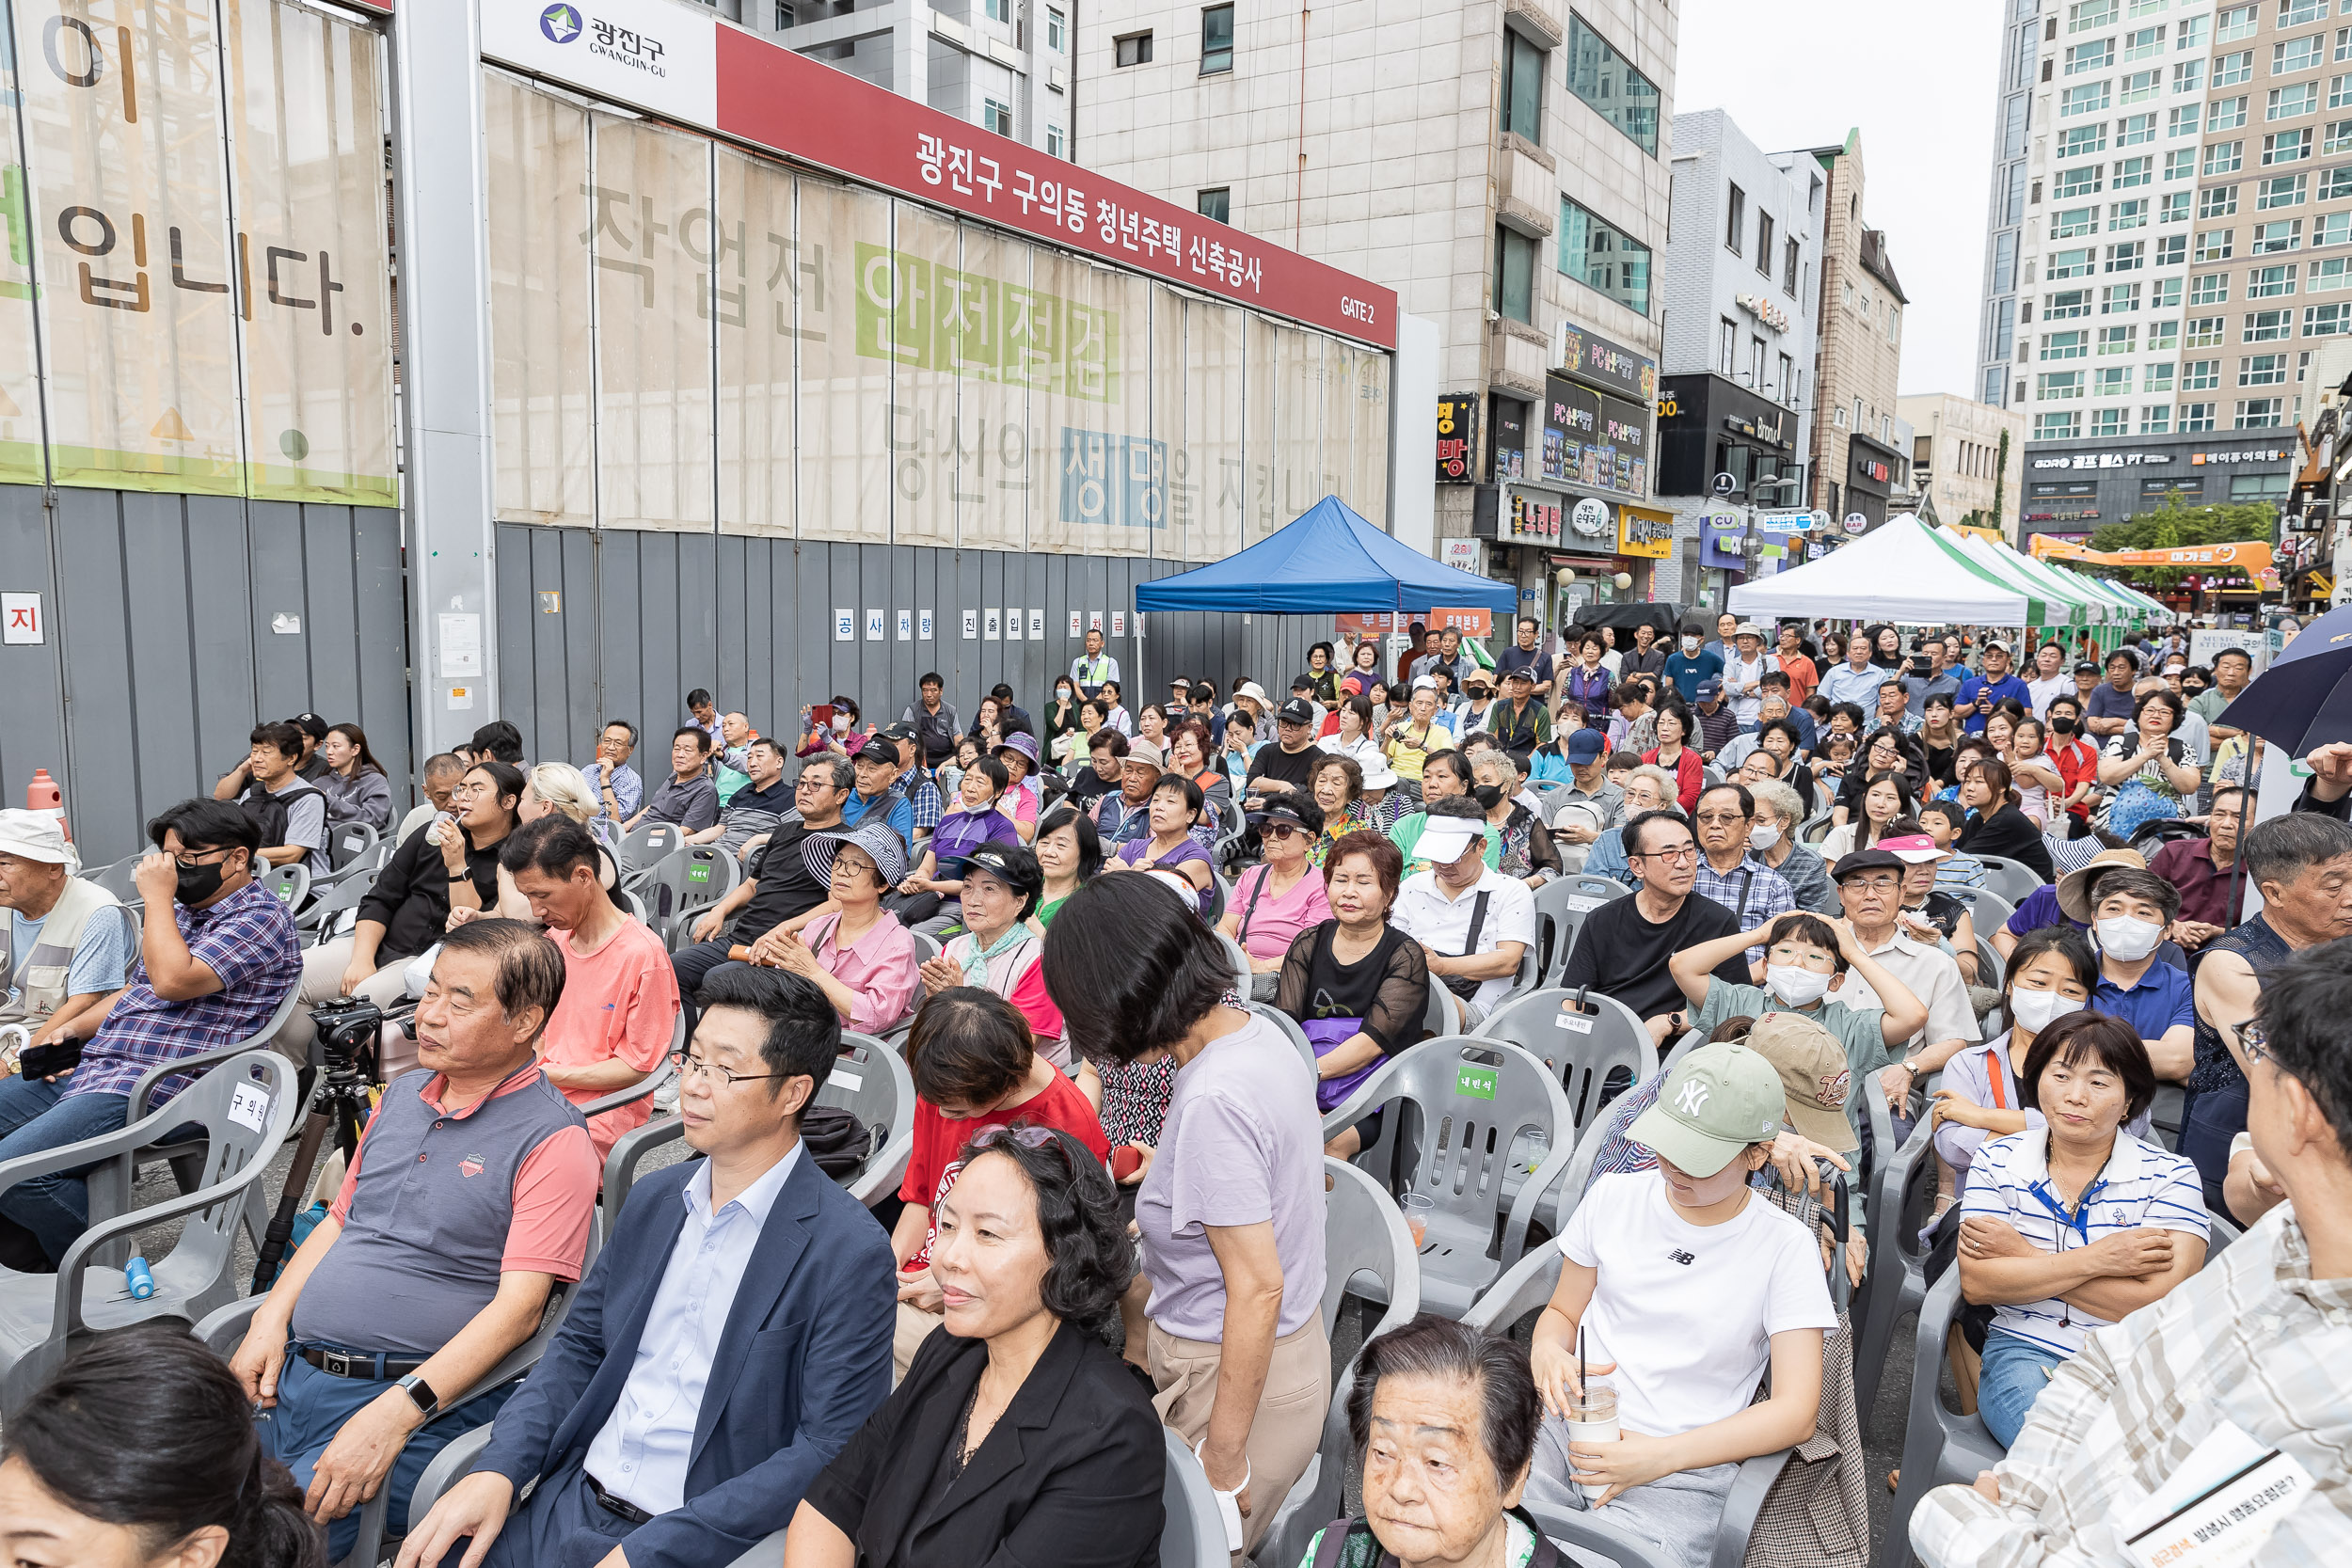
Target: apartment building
(1003,65)
(1501,165)
(2183,244)
(1860,458)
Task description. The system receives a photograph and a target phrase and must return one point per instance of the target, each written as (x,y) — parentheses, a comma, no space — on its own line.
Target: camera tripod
(339,1105)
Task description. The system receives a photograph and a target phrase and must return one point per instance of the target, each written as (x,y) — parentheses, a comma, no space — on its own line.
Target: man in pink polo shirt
(618,1015)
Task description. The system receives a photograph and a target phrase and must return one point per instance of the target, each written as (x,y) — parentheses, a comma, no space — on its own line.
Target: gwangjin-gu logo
(560,23)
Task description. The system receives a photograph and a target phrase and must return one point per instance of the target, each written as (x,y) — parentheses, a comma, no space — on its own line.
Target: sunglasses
(1277,830)
(1024,1133)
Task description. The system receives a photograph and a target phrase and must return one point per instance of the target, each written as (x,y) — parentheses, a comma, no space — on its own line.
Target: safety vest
(38,977)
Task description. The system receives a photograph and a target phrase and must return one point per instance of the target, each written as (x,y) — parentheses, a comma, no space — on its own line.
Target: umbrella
(2304,700)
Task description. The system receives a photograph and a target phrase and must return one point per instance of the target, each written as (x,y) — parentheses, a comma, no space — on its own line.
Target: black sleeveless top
(2263,949)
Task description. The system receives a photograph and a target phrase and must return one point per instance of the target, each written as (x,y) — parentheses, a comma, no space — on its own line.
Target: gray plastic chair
(1562,906)
(349,841)
(646,844)
(1290,1028)
(225,1330)
(1460,1105)
(1815,828)
(1526,1289)
(870,1081)
(119,878)
(322,920)
(291,883)
(1363,1233)
(1940,1446)
(1581,1035)
(1989,911)
(1902,1194)
(652,1084)
(2012,881)
(245,1106)
(1546,791)
(688,881)
(1239,958)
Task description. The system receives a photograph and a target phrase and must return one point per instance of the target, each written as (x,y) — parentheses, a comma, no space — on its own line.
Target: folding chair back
(120,879)
(1462,1105)
(1561,908)
(1193,1535)
(1940,1446)
(348,842)
(291,883)
(244,1107)
(1902,1194)
(646,844)
(870,1082)
(2012,882)
(688,880)
(1582,1035)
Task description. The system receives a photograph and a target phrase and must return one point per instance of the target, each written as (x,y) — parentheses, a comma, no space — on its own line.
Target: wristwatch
(457,877)
(421,1393)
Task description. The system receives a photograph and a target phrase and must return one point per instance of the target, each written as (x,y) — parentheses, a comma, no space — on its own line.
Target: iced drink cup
(1593,1418)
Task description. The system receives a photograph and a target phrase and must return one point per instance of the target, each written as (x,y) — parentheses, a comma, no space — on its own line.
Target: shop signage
(1531,519)
(2258,454)
(1457,438)
(1595,441)
(2107,460)
(1873,468)
(1589,518)
(2061,516)
(1648,535)
(1590,357)
(1767,430)
(1460,554)
(1795,521)
(1764,311)
(1509,435)
(1721,540)
(1856,522)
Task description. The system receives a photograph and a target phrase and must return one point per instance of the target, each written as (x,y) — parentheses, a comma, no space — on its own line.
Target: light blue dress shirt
(642,1453)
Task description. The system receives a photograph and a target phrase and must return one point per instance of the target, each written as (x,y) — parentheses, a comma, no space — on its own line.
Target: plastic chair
(1988,909)
(225,1330)
(1561,908)
(1902,1192)
(1940,1446)
(688,882)
(870,1081)
(1290,1028)
(647,843)
(1462,1104)
(323,920)
(2012,882)
(245,1106)
(291,883)
(348,842)
(1815,828)
(2165,1113)
(1526,1289)
(1582,1035)
(652,1084)
(634,905)
(1239,958)
(1438,1018)
(120,879)
(1363,1232)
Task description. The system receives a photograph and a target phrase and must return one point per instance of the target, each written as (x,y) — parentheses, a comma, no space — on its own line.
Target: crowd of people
(1116,1149)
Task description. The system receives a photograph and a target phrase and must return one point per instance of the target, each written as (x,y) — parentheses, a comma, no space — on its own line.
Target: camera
(348,1029)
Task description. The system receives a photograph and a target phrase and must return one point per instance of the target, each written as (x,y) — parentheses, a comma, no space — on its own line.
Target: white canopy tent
(1902,570)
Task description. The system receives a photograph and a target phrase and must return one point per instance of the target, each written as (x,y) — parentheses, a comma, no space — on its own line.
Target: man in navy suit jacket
(732,1336)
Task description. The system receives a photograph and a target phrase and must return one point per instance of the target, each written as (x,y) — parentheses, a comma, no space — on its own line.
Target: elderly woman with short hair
(1443,1419)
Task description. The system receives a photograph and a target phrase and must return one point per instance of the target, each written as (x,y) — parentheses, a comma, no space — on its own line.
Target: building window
(1523,66)
(1514,275)
(1736,220)
(1617,93)
(2156,419)
(2294,13)
(2083,140)
(2201,376)
(1217,203)
(1217,39)
(2225,114)
(2057,427)
(2287,147)
(2215,245)
(1764,244)
(1786,386)
(1603,256)
(1054,142)
(997,11)
(1135,49)
(2196,418)
(2229,70)
(2082,179)
(2326,321)
(2226,157)
(1726,345)
(2238,22)
(2268,326)
(2205,331)
(2111,421)
(2218,202)
(2156,378)
(997,117)
(1056,28)
(2330,275)
(2164,336)
(2261,370)
(1789,267)
(2089,98)
(2260,413)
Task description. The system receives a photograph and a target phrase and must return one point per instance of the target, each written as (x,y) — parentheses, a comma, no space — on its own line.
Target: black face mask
(2063,726)
(199,882)
(1487,795)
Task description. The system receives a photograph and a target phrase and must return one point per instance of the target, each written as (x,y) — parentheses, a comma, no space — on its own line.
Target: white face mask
(1762,837)
(2032,1010)
(2127,939)
(840,721)
(1690,644)
(1795,985)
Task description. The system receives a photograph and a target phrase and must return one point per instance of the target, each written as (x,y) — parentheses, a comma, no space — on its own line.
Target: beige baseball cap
(1814,1077)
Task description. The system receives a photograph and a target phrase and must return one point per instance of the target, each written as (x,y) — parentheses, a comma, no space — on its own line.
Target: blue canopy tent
(1327,562)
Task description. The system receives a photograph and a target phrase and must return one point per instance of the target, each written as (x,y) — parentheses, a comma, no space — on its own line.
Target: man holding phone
(1930,674)
(217,953)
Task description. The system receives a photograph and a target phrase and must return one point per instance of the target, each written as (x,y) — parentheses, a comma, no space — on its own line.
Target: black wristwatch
(457,877)
(421,1393)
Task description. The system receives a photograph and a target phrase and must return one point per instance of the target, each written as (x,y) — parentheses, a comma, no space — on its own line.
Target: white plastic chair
(2012,882)
(1288,1025)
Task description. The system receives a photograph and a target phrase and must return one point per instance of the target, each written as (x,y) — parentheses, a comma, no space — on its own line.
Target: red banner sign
(777,99)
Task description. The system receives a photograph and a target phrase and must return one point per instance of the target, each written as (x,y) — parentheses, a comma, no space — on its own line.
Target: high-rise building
(1003,65)
(1858,458)
(2182,239)
(1742,303)
(1504,168)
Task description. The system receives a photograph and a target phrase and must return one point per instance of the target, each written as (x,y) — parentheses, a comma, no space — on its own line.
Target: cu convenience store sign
(681,62)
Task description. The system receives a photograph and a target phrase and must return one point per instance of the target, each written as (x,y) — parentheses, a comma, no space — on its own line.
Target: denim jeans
(35,1117)
(2016,1372)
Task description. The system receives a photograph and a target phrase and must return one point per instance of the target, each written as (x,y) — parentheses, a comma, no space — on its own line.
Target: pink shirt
(1268,930)
(619,1002)
(879,967)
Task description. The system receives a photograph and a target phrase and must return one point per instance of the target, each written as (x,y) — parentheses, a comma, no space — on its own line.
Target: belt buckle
(335,1362)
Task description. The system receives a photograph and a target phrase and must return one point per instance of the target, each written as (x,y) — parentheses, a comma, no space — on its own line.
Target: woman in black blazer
(1018,1436)
(1996,825)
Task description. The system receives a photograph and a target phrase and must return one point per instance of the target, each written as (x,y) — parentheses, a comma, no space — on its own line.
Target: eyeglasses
(2256,1039)
(1720,818)
(1672,857)
(187,864)
(689,1065)
(1277,830)
(811,782)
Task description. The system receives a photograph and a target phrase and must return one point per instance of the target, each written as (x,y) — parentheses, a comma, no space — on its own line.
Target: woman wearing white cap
(1683,1285)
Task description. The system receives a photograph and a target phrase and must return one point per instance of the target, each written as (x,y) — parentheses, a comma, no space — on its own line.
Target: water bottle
(135,1276)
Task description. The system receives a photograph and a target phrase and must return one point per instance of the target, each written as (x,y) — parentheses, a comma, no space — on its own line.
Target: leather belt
(619,1506)
(354,1364)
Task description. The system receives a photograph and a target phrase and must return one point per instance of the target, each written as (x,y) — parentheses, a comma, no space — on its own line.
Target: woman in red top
(1673,727)
(2076,762)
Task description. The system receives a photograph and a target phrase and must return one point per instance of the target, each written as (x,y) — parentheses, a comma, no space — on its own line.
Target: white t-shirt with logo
(1688,1311)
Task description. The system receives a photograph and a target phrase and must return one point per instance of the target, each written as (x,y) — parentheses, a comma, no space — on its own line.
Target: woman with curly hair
(1017,1433)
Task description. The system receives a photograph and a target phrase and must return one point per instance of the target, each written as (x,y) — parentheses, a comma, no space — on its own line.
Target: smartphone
(46,1061)
(821,716)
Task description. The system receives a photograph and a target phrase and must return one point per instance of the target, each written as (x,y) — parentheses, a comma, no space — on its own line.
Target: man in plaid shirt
(922,794)
(2257,1340)
(1729,873)
(216,957)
